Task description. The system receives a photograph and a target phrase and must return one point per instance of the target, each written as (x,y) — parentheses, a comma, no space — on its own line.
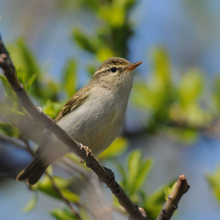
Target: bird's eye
(113,69)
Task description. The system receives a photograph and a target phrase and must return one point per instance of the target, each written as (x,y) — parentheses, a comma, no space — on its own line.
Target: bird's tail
(33,172)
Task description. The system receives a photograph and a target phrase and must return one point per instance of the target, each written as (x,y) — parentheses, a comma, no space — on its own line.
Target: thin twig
(64,161)
(56,188)
(171,204)
(12,141)
(63,197)
(106,176)
(8,175)
(94,183)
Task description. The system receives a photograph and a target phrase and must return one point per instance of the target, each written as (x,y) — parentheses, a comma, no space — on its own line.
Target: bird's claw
(88,152)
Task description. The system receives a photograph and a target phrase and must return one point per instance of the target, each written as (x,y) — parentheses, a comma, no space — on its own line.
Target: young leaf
(133,168)
(69,81)
(162,67)
(9,130)
(214,182)
(117,147)
(10,112)
(60,214)
(104,53)
(31,203)
(45,185)
(154,202)
(52,108)
(168,190)
(84,42)
(191,87)
(120,169)
(31,80)
(10,94)
(143,172)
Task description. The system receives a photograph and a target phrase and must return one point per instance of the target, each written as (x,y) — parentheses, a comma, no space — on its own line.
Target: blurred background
(172,122)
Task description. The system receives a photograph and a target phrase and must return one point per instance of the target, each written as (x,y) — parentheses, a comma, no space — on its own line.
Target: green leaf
(144,169)
(120,169)
(162,67)
(11,97)
(84,214)
(26,65)
(86,43)
(138,170)
(186,135)
(191,87)
(69,80)
(30,74)
(91,69)
(168,190)
(31,80)
(116,148)
(9,130)
(133,168)
(113,14)
(153,204)
(10,112)
(104,53)
(50,170)
(52,108)
(31,203)
(45,185)
(31,65)
(214,182)
(63,214)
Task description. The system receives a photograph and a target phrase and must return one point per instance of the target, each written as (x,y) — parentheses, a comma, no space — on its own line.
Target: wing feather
(76,100)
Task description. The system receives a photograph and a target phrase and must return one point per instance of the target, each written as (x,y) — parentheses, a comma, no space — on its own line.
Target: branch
(8,175)
(67,163)
(105,175)
(171,204)
(12,141)
(56,188)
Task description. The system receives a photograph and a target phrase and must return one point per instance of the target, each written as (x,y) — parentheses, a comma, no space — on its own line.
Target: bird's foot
(88,152)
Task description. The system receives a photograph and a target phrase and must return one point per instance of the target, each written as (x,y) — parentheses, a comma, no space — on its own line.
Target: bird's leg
(88,151)
(110,173)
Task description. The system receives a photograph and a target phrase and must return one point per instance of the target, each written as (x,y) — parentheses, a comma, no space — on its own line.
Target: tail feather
(33,172)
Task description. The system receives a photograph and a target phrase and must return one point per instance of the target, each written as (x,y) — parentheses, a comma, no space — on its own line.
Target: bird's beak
(132,66)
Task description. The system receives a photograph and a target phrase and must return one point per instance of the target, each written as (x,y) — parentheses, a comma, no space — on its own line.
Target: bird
(92,116)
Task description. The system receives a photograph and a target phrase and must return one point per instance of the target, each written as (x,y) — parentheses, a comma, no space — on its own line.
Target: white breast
(95,123)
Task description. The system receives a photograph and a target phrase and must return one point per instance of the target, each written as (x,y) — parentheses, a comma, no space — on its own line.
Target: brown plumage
(33,172)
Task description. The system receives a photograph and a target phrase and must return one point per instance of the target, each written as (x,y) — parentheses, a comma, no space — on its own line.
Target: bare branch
(171,204)
(8,175)
(142,211)
(105,175)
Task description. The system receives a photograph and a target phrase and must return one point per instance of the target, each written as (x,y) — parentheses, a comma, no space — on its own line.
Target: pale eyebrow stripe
(102,71)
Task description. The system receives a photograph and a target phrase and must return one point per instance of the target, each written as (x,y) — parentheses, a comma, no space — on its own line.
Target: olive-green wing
(76,100)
